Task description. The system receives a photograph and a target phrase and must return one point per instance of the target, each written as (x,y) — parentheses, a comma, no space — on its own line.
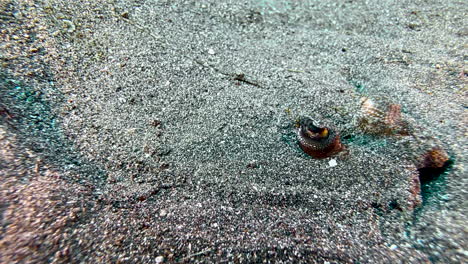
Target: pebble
(332,163)
(211,51)
(163,213)
(159,259)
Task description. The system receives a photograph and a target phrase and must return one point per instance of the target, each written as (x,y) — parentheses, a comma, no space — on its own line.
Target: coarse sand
(165,131)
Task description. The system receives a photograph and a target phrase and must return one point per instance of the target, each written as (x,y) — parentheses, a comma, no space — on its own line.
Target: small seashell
(375,120)
(318,142)
(332,163)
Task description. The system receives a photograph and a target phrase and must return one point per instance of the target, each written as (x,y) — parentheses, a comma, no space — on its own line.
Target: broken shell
(374,120)
(318,142)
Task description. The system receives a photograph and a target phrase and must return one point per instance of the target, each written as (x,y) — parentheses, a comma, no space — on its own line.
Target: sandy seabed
(165,131)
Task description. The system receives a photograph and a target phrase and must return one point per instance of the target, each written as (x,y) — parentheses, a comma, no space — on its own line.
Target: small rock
(393,247)
(252,165)
(211,51)
(162,213)
(155,123)
(17,14)
(125,15)
(332,163)
(159,259)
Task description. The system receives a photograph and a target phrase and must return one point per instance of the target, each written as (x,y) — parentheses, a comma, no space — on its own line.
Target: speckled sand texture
(165,131)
